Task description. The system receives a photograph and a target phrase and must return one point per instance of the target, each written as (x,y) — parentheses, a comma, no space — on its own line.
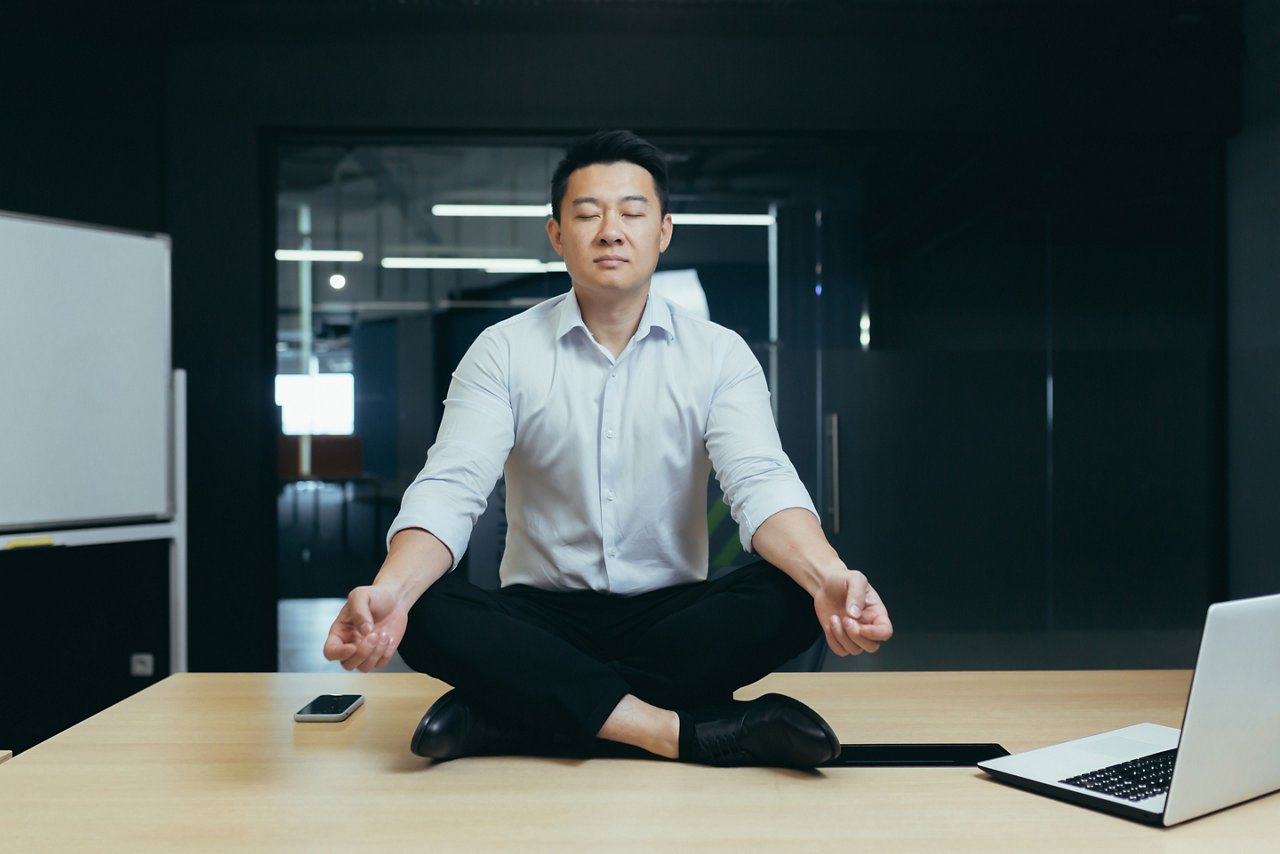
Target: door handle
(832,429)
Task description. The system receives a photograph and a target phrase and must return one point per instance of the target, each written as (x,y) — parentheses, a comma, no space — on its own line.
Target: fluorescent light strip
(539,267)
(318,255)
(489,265)
(545,211)
(721,219)
(491,210)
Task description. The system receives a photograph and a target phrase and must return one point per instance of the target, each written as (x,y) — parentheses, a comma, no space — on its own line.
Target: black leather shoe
(773,731)
(452,728)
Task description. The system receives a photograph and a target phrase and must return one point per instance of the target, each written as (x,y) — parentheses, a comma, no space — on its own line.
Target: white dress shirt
(606,459)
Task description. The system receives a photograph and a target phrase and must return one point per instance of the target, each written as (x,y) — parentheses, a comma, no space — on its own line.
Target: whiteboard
(85,375)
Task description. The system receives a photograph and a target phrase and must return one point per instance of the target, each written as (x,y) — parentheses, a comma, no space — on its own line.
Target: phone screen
(914,754)
(329,704)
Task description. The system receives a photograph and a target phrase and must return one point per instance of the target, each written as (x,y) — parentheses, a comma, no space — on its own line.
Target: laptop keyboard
(1135,780)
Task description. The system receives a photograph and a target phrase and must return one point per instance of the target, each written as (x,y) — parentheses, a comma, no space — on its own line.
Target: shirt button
(611,496)
(608,433)
(612,374)
(613,552)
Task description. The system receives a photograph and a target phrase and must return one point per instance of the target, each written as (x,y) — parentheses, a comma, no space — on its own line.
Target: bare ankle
(642,725)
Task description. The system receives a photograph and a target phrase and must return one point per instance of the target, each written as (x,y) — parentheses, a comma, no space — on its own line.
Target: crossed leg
(580,666)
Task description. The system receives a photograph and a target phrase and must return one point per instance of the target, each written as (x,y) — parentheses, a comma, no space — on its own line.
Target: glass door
(1018,438)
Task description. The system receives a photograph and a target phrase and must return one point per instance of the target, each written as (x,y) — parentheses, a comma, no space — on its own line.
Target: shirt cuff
(455,537)
(764,502)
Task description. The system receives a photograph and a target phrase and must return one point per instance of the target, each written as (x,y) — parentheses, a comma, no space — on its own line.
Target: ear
(553,234)
(668,226)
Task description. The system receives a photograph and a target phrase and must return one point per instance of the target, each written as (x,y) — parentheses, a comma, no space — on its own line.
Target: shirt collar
(656,313)
(569,315)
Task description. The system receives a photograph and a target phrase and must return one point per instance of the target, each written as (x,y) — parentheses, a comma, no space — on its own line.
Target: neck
(613,322)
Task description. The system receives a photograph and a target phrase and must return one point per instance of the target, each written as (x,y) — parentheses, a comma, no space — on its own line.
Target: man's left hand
(852,615)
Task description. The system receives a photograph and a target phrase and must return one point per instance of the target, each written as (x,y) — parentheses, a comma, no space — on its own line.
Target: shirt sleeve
(476,435)
(756,476)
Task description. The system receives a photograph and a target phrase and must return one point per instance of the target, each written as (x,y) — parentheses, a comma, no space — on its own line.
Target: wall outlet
(142,664)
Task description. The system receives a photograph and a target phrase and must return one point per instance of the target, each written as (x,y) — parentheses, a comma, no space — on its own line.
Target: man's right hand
(368,629)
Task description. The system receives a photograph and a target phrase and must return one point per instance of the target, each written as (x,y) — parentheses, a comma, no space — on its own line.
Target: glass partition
(1021,382)
(996,362)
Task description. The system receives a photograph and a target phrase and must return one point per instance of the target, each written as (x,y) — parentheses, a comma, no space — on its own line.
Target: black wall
(82,138)
(1253,314)
(142,117)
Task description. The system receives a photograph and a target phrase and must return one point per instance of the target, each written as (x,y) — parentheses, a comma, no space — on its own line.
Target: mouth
(610,261)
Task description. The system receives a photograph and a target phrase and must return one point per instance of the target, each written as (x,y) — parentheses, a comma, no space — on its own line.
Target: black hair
(609,146)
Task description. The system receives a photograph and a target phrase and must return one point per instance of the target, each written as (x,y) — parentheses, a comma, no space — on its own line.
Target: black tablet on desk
(917,755)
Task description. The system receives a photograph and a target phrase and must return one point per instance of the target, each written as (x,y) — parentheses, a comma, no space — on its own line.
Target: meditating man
(607,409)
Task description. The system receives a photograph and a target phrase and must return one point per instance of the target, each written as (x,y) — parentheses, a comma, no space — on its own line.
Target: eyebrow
(592,200)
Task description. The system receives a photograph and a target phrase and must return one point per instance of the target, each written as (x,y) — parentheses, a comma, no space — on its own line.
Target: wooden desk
(215,762)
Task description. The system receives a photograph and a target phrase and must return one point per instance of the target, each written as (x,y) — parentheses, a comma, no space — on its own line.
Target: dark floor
(331,539)
(304,624)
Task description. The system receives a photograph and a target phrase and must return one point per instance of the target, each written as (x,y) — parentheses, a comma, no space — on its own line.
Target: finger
(387,654)
(378,654)
(874,622)
(356,657)
(875,619)
(830,629)
(388,649)
(364,648)
(853,634)
(336,649)
(377,646)
(832,643)
(854,631)
(375,654)
(840,633)
(879,629)
(855,594)
(359,613)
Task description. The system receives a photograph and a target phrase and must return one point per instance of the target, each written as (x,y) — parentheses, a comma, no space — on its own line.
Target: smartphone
(918,755)
(330,707)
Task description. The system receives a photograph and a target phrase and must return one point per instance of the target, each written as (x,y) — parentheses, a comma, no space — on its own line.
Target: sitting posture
(607,409)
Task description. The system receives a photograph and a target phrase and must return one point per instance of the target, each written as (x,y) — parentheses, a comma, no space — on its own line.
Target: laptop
(1227,751)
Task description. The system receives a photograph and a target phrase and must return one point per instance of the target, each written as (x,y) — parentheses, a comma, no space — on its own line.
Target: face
(611,229)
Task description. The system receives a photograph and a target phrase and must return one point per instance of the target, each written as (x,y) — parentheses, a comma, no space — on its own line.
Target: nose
(610,229)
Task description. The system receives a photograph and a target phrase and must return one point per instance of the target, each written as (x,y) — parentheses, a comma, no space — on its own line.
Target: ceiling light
(336,255)
(491,210)
(535,267)
(545,211)
(721,219)
(337,281)
(492,265)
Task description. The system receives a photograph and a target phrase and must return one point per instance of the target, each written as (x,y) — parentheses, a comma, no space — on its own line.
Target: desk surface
(215,761)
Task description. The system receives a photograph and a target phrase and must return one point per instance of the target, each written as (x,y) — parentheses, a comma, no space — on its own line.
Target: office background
(1080,190)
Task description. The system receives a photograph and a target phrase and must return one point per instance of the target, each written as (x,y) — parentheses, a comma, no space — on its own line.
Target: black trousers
(558,663)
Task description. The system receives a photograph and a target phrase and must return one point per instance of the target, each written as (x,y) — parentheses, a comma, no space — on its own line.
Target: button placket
(610,408)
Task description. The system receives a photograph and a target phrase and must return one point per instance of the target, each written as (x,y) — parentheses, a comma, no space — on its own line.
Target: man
(608,409)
